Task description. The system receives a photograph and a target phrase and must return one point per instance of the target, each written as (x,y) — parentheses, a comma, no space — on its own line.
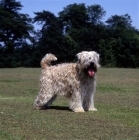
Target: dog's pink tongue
(91,72)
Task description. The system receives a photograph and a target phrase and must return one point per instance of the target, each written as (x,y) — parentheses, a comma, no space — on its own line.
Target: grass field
(117,101)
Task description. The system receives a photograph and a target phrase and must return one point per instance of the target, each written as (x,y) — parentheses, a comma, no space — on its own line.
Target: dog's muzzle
(91,69)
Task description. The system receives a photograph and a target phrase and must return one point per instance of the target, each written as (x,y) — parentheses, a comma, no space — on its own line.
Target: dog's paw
(92,109)
(78,110)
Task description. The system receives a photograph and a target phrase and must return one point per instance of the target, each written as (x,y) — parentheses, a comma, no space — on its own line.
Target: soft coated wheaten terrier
(76,81)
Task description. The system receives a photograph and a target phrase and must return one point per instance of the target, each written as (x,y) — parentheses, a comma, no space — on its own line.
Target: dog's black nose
(92,63)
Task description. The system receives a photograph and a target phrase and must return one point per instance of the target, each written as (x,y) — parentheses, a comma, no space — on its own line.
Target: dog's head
(88,61)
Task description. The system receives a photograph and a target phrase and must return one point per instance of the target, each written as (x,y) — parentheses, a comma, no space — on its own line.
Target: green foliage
(95,13)
(74,16)
(51,37)
(69,44)
(76,28)
(15,27)
(121,22)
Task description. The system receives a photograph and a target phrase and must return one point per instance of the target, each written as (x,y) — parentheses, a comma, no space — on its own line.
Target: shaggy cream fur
(76,81)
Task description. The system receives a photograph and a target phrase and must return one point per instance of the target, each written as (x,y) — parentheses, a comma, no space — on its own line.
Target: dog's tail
(47,59)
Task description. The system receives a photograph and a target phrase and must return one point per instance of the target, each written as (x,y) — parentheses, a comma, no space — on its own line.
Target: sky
(112,7)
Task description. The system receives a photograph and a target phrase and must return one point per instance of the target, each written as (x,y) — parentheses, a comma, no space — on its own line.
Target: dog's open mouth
(91,69)
(91,72)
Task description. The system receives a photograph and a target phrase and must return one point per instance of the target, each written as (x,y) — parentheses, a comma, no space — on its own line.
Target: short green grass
(117,101)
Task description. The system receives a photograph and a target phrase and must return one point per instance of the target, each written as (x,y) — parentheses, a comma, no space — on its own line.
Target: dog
(76,81)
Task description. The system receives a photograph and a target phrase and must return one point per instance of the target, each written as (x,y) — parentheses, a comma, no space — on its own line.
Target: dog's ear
(80,54)
(79,57)
(97,58)
(96,55)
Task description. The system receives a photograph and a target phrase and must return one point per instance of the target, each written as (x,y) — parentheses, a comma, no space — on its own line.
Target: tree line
(76,28)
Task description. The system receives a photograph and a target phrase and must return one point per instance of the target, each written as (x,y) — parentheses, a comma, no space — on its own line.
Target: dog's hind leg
(44,101)
(51,100)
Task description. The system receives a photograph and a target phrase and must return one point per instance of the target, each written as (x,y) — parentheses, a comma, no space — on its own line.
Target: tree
(51,33)
(74,16)
(15,27)
(121,42)
(121,22)
(83,24)
(95,13)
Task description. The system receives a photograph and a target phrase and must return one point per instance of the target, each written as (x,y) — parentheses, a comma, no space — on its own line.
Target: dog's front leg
(76,102)
(88,99)
(88,103)
(91,106)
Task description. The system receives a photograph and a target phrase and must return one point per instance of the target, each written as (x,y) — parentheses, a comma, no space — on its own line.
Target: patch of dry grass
(117,101)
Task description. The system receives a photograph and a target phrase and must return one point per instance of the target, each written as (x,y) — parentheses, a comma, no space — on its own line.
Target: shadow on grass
(59,108)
